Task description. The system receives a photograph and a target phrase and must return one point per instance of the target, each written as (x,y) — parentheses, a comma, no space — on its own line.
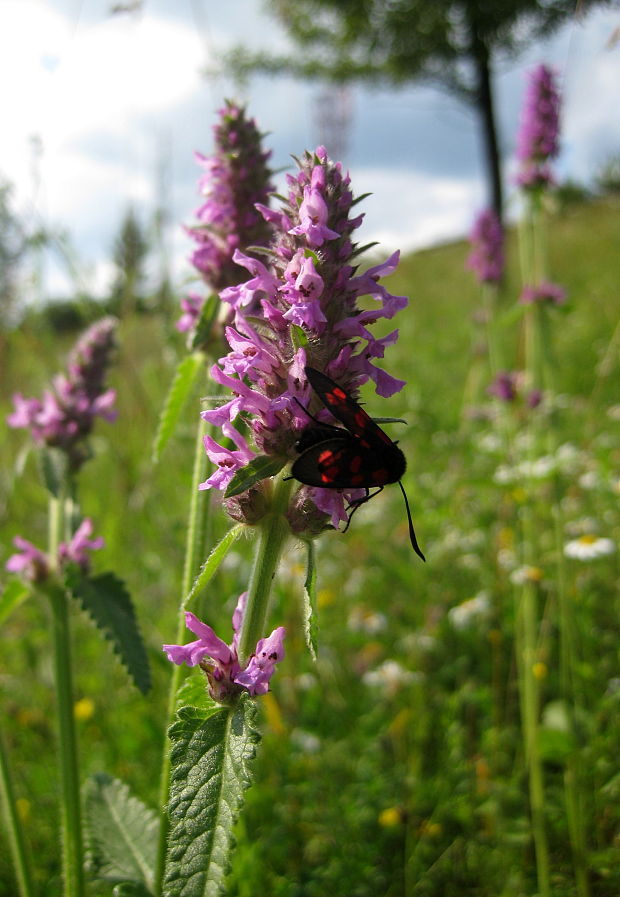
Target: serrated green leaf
(309,603)
(209,568)
(121,834)
(15,592)
(299,337)
(258,469)
(53,467)
(180,388)
(107,601)
(193,691)
(211,754)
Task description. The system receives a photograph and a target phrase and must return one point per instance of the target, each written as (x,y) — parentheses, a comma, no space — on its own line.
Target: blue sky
(119,103)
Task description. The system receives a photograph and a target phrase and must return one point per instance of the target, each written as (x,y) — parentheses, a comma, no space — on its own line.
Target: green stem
(196,523)
(199,506)
(73,851)
(532,260)
(17,841)
(530,708)
(71,811)
(546,365)
(489,302)
(274,530)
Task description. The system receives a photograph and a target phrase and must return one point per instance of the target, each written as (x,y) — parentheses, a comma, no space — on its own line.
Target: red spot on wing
(356,463)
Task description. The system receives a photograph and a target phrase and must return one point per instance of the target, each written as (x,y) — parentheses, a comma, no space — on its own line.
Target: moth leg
(358,502)
(320,423)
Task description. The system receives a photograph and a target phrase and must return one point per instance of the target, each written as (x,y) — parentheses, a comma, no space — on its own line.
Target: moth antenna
(412,537)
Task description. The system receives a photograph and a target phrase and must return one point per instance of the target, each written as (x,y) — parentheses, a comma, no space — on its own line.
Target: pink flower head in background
(33,564)
(538,136)
(220,661)
(234,180)
(546,293)
(29,561)
(65,416)
(486,259)
(75,551)
(510,386)
(306,296)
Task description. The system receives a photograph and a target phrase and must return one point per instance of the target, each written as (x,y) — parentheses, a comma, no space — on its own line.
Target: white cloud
(408,210)
(105,93)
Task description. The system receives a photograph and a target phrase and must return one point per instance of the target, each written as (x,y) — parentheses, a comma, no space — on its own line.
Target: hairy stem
(196,523)
(274,530)
(15,832)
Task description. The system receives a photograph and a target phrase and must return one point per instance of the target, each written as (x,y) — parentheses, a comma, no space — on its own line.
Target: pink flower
(33,564)
(65,416)
(545,292)
(75,550)
(307,299)
(235,180)
(29,561)
(538,137)
(220,661)
(486,259)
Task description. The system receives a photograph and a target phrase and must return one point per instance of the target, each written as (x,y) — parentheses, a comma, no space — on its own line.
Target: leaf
(121,835)
(360,249)
(15,592)
(210,566)
(208,315)
(178,393)
(299,337)
(107,601)
(258,469)
(53,466)
(309,603)
(211,754)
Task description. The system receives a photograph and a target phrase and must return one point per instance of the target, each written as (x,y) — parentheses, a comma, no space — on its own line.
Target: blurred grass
(416,787)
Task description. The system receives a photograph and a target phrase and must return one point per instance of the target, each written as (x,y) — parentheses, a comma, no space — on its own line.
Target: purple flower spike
(220,661)
(305,296)
(65,416)
(29,561)
(537,140)
(235,180)
(486,259)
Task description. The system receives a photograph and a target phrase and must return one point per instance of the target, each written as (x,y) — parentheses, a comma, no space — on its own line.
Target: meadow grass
(394,765)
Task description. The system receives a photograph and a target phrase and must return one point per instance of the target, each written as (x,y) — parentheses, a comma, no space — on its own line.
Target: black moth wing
(328,463)
(347,410)
(342,462)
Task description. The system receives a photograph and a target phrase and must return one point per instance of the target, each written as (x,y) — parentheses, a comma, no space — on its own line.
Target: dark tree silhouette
(452,43)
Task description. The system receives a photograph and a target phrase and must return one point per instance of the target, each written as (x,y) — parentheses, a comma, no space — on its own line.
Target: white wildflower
(589,547)
(390,675)
(470,611)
